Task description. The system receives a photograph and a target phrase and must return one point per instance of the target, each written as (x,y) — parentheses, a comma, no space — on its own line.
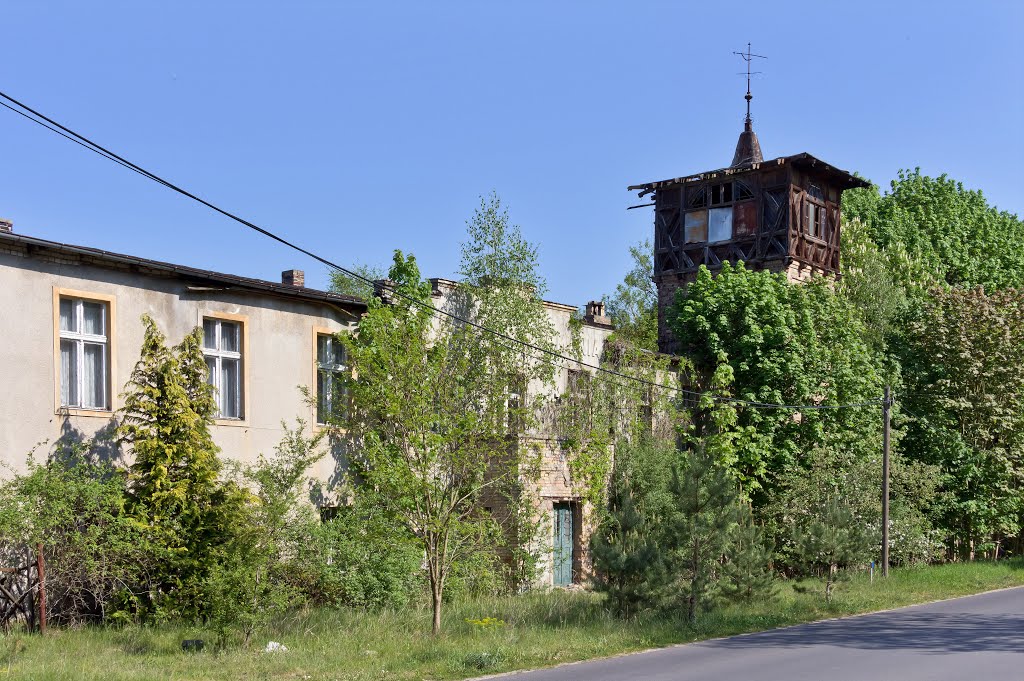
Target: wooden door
(563,544)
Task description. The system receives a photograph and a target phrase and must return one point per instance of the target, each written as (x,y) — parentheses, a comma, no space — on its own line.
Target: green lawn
(539,629)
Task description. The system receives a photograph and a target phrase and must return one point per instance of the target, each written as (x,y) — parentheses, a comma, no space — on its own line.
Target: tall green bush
(175,494)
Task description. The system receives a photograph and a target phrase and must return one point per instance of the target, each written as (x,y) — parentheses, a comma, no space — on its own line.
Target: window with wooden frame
(222,348)
(331,397)
(815,218)
(715,224)
(84,352)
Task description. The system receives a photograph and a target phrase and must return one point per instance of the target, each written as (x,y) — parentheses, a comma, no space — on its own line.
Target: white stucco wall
(279,355)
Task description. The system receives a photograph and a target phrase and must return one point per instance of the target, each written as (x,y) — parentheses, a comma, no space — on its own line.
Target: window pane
(229,337)
(323,349)
(323,385)
(93,378)
(68,374)
(211,372)
(210,334)
(339,395)
(339,353)
(229,388)
(67,314)
(92,318)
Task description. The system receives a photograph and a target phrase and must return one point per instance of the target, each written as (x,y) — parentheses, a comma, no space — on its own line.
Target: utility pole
(886,404)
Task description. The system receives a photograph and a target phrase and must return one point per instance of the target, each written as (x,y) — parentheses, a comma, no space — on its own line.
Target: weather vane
(748,57)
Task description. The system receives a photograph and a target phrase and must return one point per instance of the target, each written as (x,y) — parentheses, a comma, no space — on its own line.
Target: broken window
(331,399)
(742,191)
(721,193)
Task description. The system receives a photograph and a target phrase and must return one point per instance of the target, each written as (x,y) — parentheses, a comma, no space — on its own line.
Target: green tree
(174,488)
(832,539)
(634,305)
(626,546)
(747,573)
(951,232)
(781,343)
(964,370)
(698,532)
(436,406)
(95,555)
(350,286)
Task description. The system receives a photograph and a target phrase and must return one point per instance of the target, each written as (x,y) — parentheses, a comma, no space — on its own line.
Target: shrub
(95,553)
(358,558)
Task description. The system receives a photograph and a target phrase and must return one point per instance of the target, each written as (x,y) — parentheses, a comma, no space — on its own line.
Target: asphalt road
(977,637)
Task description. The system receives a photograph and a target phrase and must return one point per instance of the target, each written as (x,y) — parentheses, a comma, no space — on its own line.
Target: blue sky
(358,128)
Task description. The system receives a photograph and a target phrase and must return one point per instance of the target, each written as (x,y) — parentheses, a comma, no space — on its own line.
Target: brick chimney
(6,225)
(385,290)
(293,278)
(595,314)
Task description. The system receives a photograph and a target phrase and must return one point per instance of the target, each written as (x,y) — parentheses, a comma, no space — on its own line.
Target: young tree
(698,532)
(634,306)
(174,490)
(437,406)
(626,547)
(832,539)
(747,574)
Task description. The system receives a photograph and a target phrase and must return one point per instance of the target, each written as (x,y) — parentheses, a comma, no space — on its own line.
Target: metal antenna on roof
(747,57)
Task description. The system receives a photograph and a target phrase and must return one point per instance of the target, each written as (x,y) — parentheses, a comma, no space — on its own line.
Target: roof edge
(185,271)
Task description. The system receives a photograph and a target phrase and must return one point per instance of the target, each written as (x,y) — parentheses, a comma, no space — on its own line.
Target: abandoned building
(780,215)
(78,336)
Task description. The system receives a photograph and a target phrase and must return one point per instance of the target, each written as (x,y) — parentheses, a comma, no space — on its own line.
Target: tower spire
(748,149)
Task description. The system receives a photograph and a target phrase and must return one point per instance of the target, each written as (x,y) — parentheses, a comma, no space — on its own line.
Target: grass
(527,631)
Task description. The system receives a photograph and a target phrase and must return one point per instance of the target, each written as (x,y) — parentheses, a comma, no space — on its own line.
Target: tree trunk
(830,583)
(435,599)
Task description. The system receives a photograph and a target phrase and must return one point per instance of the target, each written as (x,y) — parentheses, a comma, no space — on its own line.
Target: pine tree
(174,491)
(625,551)
(747,573)
(832,540)
(698,534)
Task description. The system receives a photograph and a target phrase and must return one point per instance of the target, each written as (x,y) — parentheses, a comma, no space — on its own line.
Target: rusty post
(41,572)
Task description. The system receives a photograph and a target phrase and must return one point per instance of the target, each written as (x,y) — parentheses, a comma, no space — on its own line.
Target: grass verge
(533,630)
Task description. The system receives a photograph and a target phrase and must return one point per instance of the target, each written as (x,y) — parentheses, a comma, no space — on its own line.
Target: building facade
(74,334)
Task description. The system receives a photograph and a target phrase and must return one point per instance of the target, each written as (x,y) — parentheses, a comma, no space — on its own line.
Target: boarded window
(720,224)
(696,225)
(744,218)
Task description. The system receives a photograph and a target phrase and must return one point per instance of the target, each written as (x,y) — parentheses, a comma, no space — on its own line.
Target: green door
(563,544)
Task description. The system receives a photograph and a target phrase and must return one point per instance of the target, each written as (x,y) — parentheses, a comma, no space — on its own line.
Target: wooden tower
(781,215)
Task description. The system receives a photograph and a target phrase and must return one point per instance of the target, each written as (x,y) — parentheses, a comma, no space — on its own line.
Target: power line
(67,133)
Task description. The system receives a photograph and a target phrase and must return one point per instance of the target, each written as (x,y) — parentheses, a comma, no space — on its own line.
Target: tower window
(742,191)
(721,193)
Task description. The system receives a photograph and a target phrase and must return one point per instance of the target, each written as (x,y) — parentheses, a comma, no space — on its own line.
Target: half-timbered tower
(781,215)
